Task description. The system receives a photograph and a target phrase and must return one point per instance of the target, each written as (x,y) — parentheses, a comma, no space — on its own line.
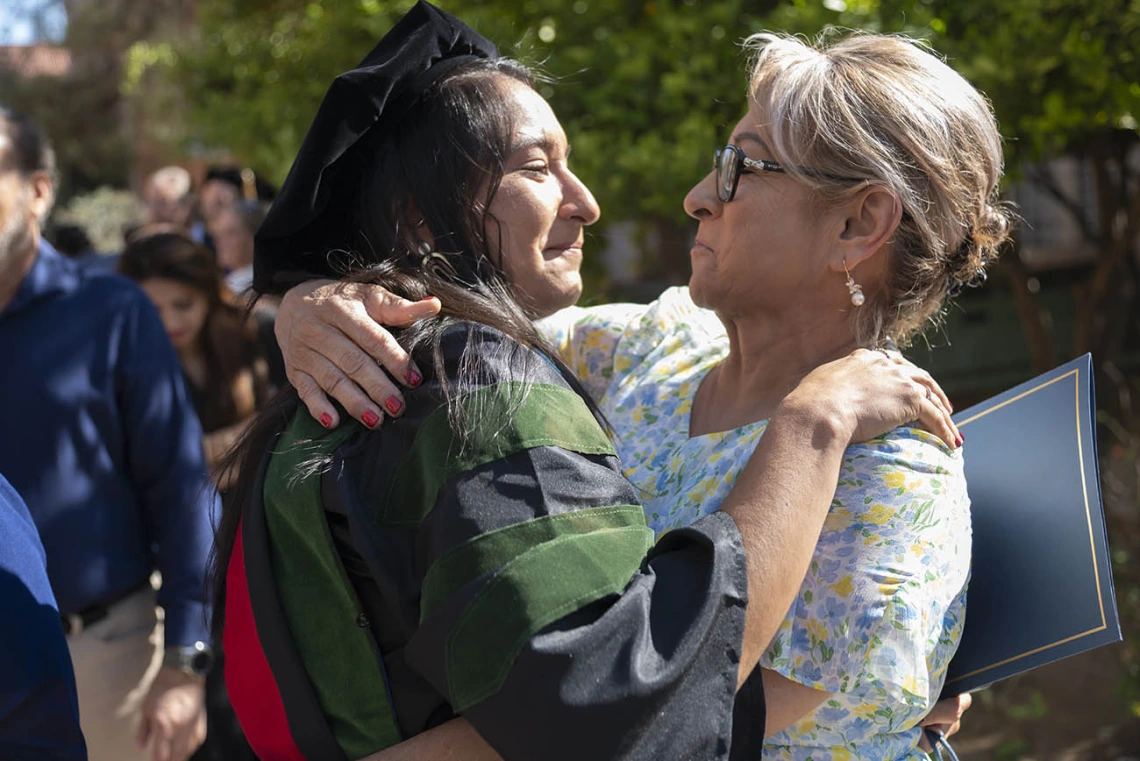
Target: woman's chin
(554,298)
(698,290)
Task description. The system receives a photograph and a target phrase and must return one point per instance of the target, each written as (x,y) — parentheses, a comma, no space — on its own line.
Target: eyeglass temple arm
(762,165)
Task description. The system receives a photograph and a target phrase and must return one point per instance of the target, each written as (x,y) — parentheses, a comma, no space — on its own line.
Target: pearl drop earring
(854,288)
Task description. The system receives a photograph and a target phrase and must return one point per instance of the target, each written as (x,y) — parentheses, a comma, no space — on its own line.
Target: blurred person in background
(226,186)
(106,450)
(227,375)
(72,242)
(169,198)
(232,229)
(39,711)
(222,360)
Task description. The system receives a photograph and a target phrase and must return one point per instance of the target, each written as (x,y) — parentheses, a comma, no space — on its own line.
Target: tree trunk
(1034,319)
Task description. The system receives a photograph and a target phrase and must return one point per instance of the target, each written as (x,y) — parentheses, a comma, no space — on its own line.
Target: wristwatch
(193,659)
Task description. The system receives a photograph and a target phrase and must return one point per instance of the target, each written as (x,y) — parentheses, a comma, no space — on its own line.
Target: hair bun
(993,226)
(981,246)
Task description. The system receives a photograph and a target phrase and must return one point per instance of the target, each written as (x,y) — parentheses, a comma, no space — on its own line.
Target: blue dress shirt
(39,710)
(100,438)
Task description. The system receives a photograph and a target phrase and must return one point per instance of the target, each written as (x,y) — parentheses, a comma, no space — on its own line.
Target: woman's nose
(702,201)
(578,202)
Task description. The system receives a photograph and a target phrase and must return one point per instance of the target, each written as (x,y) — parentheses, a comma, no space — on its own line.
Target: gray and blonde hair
(886,108)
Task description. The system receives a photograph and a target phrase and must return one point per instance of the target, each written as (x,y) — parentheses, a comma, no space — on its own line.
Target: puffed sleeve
(879,611)
(587,339)
(548,618)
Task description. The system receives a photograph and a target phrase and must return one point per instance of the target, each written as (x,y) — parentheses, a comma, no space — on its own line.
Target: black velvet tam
(310,215)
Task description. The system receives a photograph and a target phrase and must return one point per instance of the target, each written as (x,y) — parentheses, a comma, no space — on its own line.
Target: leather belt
(73,623)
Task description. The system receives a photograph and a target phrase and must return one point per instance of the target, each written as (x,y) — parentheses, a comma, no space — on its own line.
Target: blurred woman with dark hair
(222,360)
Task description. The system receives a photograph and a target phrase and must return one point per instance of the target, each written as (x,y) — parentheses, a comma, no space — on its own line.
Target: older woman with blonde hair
(856,195)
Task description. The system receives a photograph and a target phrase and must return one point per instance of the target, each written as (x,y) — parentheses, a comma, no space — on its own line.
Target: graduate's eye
(537,167)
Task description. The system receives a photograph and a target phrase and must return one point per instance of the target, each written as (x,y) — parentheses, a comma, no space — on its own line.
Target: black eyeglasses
(730,162)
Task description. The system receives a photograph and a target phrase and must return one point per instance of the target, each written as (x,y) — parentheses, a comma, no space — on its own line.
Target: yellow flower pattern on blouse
(881,610)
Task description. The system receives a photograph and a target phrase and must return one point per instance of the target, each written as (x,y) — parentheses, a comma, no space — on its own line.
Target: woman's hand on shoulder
(333,342)
(945,718)
(868,393)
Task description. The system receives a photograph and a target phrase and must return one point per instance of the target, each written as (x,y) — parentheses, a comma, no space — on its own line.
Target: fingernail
(427,298)
(393,405)
(370,419)
(412,377)
(326,420)
(961,437)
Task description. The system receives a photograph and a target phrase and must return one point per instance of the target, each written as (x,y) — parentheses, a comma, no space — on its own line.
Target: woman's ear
(871,219)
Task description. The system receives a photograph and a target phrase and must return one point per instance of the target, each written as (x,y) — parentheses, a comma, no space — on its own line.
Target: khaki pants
(115,661)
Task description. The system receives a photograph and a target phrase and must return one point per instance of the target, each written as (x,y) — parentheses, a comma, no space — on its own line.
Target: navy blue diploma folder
(1041,585)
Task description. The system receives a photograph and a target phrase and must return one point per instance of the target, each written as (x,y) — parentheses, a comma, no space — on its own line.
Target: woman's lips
(570,248)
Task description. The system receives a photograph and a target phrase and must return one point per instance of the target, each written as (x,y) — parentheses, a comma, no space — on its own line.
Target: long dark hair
(229,346)
(431,177)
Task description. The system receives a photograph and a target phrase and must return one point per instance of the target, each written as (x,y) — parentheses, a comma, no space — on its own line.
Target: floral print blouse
(881,610)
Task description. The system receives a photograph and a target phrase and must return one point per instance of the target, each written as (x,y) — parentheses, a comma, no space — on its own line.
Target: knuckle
(307,331)
(351,361)
(302,382)
(330,380)
(381,343)
(383,297)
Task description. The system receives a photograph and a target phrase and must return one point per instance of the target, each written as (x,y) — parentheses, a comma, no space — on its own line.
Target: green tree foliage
(83,110)
(643,116)
(632,112)
(646,90)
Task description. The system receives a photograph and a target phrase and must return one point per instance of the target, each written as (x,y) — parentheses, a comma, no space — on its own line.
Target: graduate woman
(481,554)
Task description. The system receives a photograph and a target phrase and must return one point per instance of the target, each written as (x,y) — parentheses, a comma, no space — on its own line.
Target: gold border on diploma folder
(1076,376)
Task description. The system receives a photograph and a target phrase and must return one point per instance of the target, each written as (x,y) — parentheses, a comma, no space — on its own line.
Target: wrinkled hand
(331,338)
(945,717)
(872,392)
(173,716)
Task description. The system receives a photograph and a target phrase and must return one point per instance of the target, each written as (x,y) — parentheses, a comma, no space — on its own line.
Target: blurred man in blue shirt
(39,713)
(101,440)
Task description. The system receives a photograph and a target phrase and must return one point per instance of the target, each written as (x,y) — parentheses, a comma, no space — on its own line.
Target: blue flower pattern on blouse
(881,610)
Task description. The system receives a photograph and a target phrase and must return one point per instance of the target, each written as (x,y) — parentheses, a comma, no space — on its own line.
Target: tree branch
(1043,176)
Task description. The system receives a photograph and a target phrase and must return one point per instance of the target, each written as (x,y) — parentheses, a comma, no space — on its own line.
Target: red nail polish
(370,418)
(961,438)
(427,298)
(412,377)
(326,420)
(393,405)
